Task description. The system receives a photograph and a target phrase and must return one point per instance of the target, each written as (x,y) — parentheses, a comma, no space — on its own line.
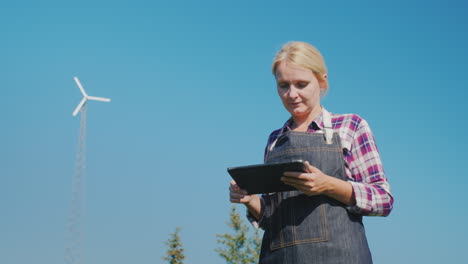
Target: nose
(292,92)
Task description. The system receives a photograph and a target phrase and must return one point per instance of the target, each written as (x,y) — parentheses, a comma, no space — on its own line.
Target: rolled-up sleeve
(370,186)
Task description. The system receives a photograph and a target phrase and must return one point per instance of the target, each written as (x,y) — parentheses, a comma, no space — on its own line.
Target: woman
(344,180)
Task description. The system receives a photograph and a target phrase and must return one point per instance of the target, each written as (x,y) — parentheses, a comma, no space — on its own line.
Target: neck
(301,123)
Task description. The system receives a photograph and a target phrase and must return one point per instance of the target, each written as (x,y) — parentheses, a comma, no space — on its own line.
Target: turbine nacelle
(86,97)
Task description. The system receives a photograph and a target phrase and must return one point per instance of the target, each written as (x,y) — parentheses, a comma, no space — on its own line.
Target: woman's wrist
(253,201)
(340,190)
(254,206)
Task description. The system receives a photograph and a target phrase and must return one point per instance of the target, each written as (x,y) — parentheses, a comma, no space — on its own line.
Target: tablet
(264,178)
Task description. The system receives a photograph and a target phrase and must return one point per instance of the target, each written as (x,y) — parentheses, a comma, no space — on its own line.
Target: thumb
(309,168)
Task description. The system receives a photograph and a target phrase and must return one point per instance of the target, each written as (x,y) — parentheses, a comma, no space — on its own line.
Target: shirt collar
(316,124)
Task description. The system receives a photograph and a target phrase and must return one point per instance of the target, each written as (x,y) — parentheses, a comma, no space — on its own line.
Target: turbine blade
(80,105)
(80,86)
(102,99)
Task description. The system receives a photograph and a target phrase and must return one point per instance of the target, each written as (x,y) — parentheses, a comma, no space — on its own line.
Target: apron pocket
(298,219)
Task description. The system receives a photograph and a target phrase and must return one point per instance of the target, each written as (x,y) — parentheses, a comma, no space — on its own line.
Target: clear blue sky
(192,94)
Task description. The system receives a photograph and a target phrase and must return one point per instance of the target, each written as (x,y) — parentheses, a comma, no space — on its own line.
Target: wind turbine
(75,235)
(86,97)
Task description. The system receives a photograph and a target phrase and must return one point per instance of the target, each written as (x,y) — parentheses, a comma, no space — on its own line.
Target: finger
(293,180)
(237,190)
(239,200)
(304,189)
(232,183)
(292,174)
(233,200)
(236,195)
(233,186)
(289,182)
(310,168)
(306,185)
(297,186)
(299,175)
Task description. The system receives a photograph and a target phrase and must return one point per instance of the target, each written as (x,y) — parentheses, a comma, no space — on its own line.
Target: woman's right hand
(238,195)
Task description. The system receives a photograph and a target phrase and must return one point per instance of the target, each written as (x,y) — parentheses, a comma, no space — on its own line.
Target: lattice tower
(75,236)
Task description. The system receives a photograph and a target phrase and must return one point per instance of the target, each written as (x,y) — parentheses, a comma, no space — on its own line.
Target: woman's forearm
(255,206)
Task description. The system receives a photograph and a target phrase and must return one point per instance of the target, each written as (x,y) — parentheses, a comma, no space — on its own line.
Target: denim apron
(311,229)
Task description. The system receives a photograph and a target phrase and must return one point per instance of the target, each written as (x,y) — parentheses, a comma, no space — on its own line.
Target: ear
(323,83)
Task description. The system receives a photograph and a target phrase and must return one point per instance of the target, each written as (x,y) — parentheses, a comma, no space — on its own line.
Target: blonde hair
(304,55)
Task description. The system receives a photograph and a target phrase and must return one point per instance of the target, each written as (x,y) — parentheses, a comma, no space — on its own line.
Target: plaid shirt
(363,166)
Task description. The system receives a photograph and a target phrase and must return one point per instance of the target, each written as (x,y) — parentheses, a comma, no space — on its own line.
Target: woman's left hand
(311,182)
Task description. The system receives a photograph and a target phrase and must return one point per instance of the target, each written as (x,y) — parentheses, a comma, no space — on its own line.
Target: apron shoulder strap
(327,123)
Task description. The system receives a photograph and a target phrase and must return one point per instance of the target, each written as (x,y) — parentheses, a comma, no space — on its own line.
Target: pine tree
(238,248)
(175,252)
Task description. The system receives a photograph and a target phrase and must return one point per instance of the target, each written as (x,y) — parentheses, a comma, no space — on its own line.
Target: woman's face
(298,88)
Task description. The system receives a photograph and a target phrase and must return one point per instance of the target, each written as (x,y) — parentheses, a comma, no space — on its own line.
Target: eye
(283,85)
(302,85)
